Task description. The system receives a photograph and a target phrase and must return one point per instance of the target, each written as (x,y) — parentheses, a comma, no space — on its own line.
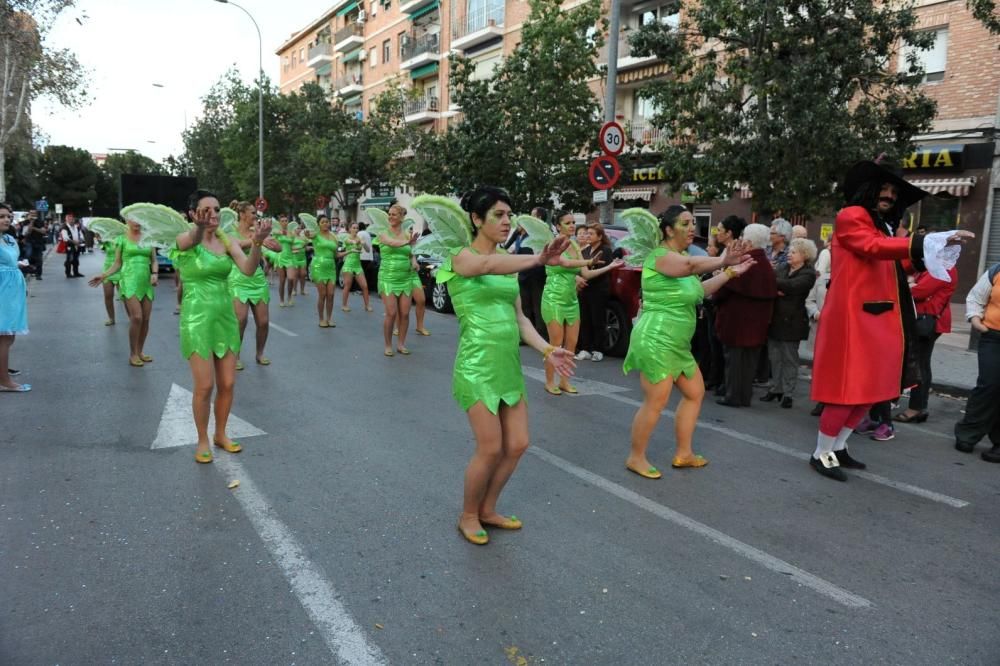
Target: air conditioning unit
(361,16)
(363,55)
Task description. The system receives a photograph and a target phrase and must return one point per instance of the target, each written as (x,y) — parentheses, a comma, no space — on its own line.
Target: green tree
(987,13)
(21,167)
(203,152)
(783,96)
(31,67)
(68,176)
(529,127)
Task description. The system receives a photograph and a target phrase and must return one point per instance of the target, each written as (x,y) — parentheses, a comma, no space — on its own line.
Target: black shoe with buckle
(847,461)
(828,467)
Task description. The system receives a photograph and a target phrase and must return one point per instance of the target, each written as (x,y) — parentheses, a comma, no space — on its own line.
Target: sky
(182,45)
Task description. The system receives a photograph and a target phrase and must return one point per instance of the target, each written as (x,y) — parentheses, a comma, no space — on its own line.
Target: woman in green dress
(417,296)
(560,303)
(110,248)
(323,271)
(299,244)
(394,281)
(487,381)
(287,272)
(352,270)
(136,285)
(250,294)
(660,346)
(209,330)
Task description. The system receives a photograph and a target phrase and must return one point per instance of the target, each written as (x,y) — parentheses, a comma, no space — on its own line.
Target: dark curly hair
(480,200)
(197,196)
(669,217)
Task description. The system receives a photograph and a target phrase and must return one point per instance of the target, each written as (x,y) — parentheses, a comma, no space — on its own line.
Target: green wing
(228,220)
(343,237)
(380,221)
(293,226)
(446,219)
(107,228)
(644,235)
(408,225)
(160,225)
(431,246)
(539,233)
(309,222)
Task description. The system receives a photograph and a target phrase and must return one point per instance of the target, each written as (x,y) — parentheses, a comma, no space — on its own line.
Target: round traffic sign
(612,138)
(604,172)
(260,204)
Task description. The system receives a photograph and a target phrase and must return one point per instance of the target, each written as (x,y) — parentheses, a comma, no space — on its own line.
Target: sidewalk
(954,366)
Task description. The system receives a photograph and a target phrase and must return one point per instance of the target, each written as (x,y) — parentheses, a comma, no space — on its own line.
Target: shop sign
(647,174)
(825,231)
(936,157)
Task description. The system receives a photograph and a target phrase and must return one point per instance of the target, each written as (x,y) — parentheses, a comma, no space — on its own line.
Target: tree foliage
(784,96)
(68,176)
(987,12)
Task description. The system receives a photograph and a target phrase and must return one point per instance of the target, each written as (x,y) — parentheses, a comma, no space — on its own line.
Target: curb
(952,390)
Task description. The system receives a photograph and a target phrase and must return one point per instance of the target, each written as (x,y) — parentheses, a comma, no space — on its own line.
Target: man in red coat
(868,315)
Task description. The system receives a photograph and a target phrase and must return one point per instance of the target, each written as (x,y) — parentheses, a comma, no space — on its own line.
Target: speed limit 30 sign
(612,138)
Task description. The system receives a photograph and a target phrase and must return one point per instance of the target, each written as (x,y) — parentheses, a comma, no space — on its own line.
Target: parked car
(625,298)
(164,264)
(437,294)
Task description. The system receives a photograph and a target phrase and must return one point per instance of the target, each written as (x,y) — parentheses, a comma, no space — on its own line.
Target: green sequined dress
(488,361)
(208,322)
(299,252)
(324,263)
(110,249)
(135,272)
(285,256)
(660,346)
(394,271)
(352,260)
(253,289)
(560,303)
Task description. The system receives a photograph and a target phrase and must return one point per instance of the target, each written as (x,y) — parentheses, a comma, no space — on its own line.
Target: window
(645,108)
(373,57)
(386,51)
(302,54)
(485,67)
(293,58)
(286,62)
(932,60)
(400,40)
(668,15)
(938,213)
(703,220)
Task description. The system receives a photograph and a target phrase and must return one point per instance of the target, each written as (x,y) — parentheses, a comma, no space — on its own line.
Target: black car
(437,294)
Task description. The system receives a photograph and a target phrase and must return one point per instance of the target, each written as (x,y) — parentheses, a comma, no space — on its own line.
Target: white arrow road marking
(177,424)
(777,448)
(282,329)
(342,635)
(584,386)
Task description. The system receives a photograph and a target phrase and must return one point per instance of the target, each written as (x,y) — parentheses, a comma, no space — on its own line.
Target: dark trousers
(368,268)
(36,257)
(72,262)
(594,320)
(716,374)
(918,394)
(982,411)
(531,303)
(741,362)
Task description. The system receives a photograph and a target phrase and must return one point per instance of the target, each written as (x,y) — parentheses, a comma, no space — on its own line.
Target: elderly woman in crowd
(743,314)
(790,321)
(780,237)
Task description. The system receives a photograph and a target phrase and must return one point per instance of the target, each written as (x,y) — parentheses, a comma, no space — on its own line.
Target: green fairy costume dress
(299,252)
(394,272)
(660,346)
(324,265)
(352,260)
(208,322)
(285,259)
(253,289)
(110,232)
(135,272)
(560,303)
(110,249)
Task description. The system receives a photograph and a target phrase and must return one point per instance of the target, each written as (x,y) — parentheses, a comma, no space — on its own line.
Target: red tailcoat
(859,344)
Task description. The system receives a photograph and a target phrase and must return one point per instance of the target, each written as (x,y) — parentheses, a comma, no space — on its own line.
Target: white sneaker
(597,356)
(582,355)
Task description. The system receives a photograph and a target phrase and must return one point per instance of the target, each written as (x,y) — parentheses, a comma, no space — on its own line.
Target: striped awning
(958,187)
(348,8)
(633,193)
(746,192)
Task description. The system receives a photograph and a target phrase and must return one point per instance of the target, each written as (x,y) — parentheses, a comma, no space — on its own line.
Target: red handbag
(61,247)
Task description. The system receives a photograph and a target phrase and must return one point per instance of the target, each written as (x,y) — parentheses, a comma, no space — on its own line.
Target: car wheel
(439,298)
(619,329)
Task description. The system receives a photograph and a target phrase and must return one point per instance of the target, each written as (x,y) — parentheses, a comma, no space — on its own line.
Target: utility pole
(611,89)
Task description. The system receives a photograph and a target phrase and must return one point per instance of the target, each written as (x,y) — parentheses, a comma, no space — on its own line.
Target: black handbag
(927,324)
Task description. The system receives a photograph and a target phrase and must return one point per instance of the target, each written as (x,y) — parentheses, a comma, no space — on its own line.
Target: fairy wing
(446,219)
(343,237)
(539,233)
(228,220)
(644,235)
(293,226)
(380,221)
(431,246)
(160,225)
(309,222)
(107,228)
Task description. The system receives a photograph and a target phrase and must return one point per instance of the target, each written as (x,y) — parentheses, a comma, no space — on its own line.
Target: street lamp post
(260,98)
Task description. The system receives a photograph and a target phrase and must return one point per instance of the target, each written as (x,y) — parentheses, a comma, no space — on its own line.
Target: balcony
(349,37)
(625,58)
(641,133)
(480,26)
(420,51)
(319,55)
(412,6)
(349,84)
(421,110)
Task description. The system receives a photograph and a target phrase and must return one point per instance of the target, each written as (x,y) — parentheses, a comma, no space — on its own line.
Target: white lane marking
(801,455)
(584,386)
(767,561)
(342,635)
(177,423)
(282,329)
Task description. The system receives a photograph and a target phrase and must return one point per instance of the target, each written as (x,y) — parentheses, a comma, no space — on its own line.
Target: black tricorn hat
(861,173)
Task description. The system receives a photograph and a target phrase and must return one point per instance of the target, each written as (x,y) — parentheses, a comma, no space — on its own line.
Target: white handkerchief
(938,257)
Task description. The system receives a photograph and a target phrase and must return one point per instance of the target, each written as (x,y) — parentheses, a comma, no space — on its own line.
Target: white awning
(958,187)
(745,192)
(633,193)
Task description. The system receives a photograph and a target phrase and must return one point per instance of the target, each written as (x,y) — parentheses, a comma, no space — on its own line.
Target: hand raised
(414,237)
(743,266)
(262,231)
(617,263)
(735,252)
(960,237)
(551,254)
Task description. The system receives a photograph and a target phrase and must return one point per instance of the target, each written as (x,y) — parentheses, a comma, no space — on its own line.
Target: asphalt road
(339,545)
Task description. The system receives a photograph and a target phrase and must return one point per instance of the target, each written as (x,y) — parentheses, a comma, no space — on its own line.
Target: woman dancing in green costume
(560,303)
(299,243)
(287,272)
(660,346)
(138,278)
(352,270)
(323,271)
(250,294)
(487,382)
(394,282)
(108,231)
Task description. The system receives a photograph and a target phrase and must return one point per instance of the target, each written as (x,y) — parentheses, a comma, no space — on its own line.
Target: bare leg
(692,393)
(225,380)
(363,281)
(569,344)
(420,301)
(242,311)
(109,300)
(488,432)
(134,309)
(203,374)
(390,303)
(282,276)
(262,320)
(555,339)
(654,400)
(320,301)
(293,275)
(404,320)
(146,305)
(6,341)
(348,282)
(331,292)
(514,430)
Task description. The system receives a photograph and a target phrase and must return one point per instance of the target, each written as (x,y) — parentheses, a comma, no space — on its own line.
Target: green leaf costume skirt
(560,303)
(252,290)
(352,264)
(394,271)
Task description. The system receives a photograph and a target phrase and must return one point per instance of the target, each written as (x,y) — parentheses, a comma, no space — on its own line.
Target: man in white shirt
(72,235)
(367,254)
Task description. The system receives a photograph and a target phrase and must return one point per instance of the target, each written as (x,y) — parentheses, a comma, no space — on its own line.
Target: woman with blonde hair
(250,293)
(394,280)
(352,270)
(323,271)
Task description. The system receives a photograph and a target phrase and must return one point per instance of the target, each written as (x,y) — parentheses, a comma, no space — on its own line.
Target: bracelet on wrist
(548,350)
(730,272)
